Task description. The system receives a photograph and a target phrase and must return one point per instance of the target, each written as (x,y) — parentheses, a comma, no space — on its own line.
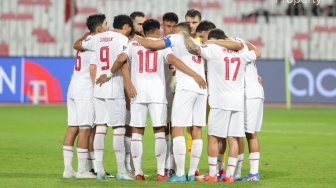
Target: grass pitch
(297,150)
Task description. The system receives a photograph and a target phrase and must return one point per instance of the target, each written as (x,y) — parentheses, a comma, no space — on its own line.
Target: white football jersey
(147,73)
(253,89)
(226,76)
(107,46)
(80,85)
(196,63)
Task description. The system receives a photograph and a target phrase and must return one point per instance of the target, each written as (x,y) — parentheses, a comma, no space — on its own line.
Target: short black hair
(170,17)
(217,34)
(149,26)
(135,14)
(120,20)
(94,20)
(185,26)
(193,13)
(205,26)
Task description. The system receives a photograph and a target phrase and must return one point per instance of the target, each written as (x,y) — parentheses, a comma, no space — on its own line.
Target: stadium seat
(4,49)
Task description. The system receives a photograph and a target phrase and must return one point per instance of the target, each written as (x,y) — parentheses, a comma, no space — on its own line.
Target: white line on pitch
(299,132)
(296,123)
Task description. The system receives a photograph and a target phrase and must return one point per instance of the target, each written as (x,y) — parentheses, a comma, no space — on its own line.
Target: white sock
(82,159)
(160,152)
(128,153)
(195,155)
(220,163)
(179,149)
(119,148)
(232,162)
(90,159)
(240,159)
(67,156)
(136,148)
(212,165)
(167,164)
(99,145)
(254,162)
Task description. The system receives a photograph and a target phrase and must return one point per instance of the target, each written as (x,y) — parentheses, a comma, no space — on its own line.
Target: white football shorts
(110,111)
(189,108)
(254,110)
(157,111)
(224,123)
(80,112)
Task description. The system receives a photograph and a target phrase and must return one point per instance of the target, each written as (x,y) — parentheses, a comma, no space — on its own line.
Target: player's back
(80,86)
(184,81)
(108,46)
(225,76)
(253,89)
(147,73)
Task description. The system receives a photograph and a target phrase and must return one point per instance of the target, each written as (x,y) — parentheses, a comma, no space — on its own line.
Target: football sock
(128,153)
(67,156)
(160,152)
(254,162)
(119,148)
(99,145)
(179,149)
(232,162)
(136,148)
(212,165)
(82,159)
(240,159)
(196,152)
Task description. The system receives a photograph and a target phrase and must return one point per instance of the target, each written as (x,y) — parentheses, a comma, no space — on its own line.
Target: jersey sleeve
(127,50)
(88,43)
(249,56)
(166,52)
(205,51)
(171,40)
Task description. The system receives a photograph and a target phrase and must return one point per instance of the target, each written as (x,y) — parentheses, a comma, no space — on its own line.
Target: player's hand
(102,79)
(260,80)
(131,91)
(200,81)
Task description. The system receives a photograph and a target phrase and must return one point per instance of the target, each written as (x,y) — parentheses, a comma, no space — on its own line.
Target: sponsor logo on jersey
(204,46)
(87,39)
(124,47)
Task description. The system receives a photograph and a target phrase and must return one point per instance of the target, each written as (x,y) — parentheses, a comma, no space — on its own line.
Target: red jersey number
(104,57)
(150,66)
(234,60)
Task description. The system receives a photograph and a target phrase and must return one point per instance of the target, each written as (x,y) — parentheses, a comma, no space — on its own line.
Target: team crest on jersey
(124,47)
(204,46)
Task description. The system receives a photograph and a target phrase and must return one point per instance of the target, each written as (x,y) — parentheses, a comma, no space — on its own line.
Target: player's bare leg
(241,145)
(196,151)
(99,145)
(82,152)
(160,152)
(68,144)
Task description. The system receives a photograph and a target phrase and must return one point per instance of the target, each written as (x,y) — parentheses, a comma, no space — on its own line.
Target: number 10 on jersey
(151,58)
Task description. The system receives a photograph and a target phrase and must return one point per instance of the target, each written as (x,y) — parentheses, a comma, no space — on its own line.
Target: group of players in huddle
(122,74)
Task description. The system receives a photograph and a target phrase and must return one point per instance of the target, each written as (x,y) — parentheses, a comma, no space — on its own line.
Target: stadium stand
(44,27)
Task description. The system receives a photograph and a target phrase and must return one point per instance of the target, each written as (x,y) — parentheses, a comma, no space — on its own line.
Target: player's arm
(78,44)
(254,48)
(131,91)
(189,43)
(229,44)
(184,68)
(260,80)
(116,65)
(151,44)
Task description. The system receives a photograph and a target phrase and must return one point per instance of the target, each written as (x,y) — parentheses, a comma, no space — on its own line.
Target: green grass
(297,150)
